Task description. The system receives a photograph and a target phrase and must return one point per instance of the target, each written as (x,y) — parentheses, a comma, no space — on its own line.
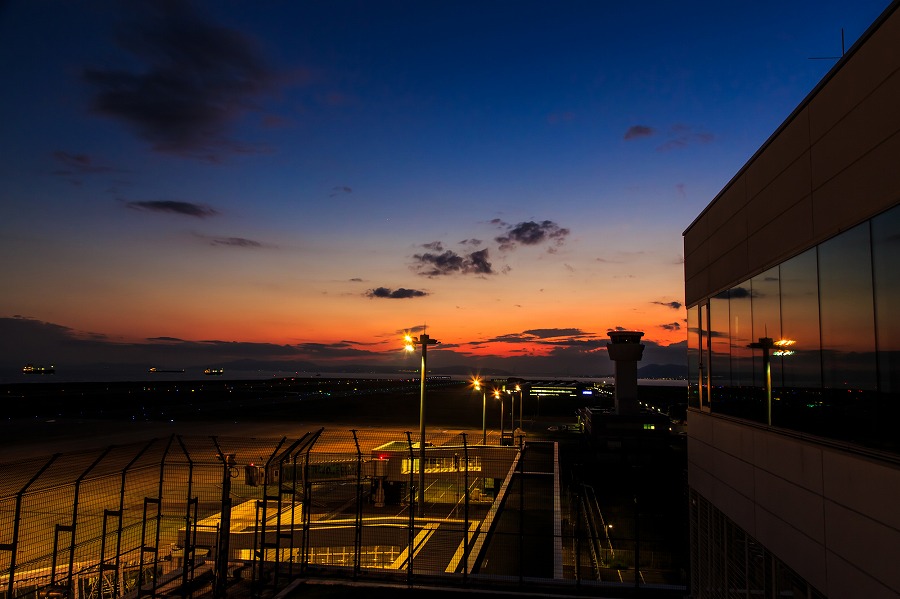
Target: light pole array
(423,341)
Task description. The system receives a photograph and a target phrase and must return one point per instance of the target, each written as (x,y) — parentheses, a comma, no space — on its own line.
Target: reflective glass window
(693,356)
(720,350)
(886,262)
(741,335)
(847,311)
(766,303)
(800,320)
(704,355)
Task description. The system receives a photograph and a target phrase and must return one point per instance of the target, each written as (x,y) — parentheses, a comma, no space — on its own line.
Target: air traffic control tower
(625,349)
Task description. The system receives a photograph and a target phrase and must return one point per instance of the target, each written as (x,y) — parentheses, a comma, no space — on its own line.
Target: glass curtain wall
(838,303)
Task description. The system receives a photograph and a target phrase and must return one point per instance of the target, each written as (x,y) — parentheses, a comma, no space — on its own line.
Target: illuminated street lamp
(512,409)
(521,403)
(422,341)
(780,347)
(499,396)
(476,383)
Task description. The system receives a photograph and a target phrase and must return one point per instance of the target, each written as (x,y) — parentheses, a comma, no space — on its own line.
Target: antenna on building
(843,51)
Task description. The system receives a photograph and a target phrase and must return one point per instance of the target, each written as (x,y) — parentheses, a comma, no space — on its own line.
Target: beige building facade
(792,282)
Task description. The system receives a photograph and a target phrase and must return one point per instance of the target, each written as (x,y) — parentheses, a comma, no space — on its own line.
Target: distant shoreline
(196,374)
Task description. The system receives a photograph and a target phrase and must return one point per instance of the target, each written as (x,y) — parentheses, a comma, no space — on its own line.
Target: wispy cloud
(81,164)
(549,333)
(638,131)
(195,79)
(530,233)
(673,305)
(174,207)
(672,326)
(340,190)
(240,242)
(449,262)
(682,136)
(400,293)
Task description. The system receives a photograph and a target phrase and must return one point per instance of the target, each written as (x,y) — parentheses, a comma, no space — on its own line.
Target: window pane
(693,356)
(885,259)
(747,392)
(800,320)
(847,313)
(704,355)
(741,335)
(766,300)
(720,353)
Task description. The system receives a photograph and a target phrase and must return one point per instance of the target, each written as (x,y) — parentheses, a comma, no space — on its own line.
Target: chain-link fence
(194,516)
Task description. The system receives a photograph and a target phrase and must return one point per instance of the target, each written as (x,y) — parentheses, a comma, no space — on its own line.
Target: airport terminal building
(793,295)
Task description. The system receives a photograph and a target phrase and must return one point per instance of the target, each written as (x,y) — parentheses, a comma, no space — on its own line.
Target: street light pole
(477,384)
(521,403)
(512,414)
(498,395)
(423,341)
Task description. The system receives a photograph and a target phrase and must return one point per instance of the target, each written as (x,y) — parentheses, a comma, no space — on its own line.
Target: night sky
(303,181)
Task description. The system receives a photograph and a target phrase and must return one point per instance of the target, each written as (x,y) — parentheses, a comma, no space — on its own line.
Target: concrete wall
(832,164)
(831,515)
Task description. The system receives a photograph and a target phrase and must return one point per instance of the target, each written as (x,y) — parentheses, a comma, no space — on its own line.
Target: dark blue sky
(323,175)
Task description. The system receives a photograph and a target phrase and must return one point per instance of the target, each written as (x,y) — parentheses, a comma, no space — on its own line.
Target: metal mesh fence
(226,516)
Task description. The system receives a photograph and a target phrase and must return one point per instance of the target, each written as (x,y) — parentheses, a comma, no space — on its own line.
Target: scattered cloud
(400,293)
(236,242)
(174,207)
(434,246)
(637,131)
(195,80)
(80,164)
(681,136)
(673,305)
(531,233)
(356,280)
(340,190)
(672,326)
(329,351)
(549,333)
(472,242)
(449,262)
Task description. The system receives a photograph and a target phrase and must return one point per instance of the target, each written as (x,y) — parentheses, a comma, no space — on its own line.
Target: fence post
(466,512)
(14,545)
(223,547)
(357,533)
(521,508)
(189,549)
(103,564)
(412,512)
